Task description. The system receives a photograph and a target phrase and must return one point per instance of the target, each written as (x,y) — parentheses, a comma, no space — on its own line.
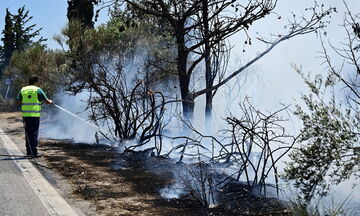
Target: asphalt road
(16,195)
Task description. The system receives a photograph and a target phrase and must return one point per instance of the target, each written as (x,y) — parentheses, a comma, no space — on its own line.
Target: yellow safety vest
(31,106)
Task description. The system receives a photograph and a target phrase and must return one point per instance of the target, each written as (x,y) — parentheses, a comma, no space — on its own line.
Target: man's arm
(43,97)
(48,101)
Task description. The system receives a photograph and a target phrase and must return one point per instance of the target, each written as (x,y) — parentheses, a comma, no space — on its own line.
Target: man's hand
(48,101)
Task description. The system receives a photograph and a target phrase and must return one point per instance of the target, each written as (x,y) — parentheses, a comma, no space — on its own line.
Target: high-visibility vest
(30,106)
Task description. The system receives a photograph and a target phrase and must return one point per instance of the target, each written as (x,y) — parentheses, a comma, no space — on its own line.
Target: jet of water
(76,116)
(83,120)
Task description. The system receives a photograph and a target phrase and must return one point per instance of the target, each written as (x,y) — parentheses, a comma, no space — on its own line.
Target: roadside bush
(48,65)
(8,105)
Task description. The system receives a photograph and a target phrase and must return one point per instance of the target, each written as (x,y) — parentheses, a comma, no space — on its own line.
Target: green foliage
(107,62)
(80,15)
(122,44)
(24,35)
(106,39)
(18,35)
(301,208)
(133,17)
(81,11)
(48,65)
(329,151)
(8,41)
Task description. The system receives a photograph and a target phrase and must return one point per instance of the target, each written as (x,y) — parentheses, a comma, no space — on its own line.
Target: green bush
(9,105)
(48,65)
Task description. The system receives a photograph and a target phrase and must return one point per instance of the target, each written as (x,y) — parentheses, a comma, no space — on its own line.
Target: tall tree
(80,14)
(207,56)
(232,16)
(24,35)
(99,67)
(215,53)
(181,15)
(18,35)
(81,11)
(8,40)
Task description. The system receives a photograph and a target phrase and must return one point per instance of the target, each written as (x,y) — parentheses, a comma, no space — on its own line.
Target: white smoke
(61,125)
(173,191)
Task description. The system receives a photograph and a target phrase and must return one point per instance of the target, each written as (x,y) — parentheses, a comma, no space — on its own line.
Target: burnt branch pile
(247,153)
(258,142)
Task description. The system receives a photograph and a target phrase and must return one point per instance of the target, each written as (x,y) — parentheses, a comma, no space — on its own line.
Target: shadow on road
(14,157)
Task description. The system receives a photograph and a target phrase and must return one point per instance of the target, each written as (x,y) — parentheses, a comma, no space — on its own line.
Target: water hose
(83,120)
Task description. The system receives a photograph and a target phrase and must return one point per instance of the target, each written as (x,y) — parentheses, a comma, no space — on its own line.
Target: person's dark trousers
(31,132)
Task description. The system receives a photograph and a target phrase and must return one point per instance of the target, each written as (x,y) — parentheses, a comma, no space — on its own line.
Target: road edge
(53,202)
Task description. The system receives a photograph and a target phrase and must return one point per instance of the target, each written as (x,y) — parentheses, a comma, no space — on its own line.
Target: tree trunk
(208,71)
(184,77)
(208,105)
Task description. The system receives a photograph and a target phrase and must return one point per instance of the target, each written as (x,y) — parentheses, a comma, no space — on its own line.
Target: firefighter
(31,98)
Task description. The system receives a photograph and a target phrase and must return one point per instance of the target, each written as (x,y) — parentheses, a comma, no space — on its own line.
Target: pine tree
(17,36)
(81,11)
(24,35)
(8,41)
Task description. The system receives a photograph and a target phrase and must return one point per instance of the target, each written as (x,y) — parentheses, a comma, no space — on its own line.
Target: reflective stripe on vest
(31,103)
(31,106)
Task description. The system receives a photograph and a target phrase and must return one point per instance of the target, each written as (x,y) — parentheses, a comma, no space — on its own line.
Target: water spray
(76,116)
(83,120)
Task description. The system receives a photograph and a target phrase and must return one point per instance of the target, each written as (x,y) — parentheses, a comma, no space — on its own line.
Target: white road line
(51,199)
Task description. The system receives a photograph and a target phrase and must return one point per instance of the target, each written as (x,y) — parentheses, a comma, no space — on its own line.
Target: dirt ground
(85,176)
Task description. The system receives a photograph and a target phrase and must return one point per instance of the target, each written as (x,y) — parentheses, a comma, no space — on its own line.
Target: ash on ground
(202,183)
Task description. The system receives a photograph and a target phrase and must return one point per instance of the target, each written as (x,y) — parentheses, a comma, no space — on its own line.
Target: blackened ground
(131,188)
(127,184)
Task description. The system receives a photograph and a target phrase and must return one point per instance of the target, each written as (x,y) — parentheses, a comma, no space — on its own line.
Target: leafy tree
(152,38)
(80,15)
(330,150)
(25,35)
(37,60)
(8,41)
(328,154)
(18,35)
(81,11)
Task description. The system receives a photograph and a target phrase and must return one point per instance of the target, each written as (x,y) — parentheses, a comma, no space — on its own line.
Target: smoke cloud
(61,125)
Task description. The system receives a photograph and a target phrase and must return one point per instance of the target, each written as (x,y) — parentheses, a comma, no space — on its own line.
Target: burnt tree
(228,17)
(182,17)
(122,103)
